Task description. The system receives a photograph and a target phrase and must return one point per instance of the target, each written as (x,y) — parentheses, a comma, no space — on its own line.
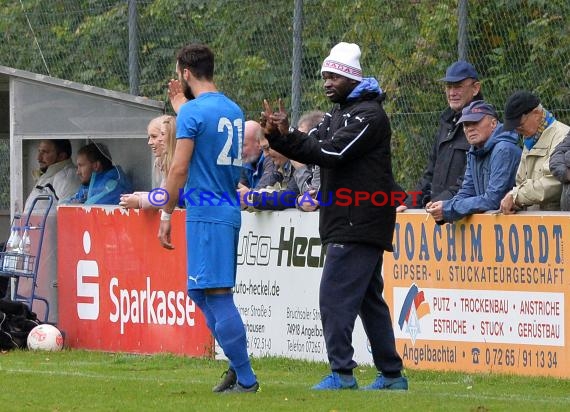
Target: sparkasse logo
(87,284)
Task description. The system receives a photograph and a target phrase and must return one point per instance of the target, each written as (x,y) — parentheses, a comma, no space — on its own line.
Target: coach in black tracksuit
(352,147)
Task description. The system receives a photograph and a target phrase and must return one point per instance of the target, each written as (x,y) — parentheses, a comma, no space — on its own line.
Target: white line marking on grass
(139,378)
(97,376)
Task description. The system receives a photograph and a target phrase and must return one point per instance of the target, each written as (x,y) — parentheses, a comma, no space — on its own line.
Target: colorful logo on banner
(413,309)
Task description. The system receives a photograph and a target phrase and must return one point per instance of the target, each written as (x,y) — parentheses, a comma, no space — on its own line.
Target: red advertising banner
(119,290)
(487,293)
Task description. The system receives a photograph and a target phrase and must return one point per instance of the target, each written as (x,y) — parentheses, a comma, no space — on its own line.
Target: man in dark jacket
(352,147)
(492,164)
(446,164)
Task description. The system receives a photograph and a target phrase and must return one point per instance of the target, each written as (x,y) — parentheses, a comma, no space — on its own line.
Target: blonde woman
(162,141)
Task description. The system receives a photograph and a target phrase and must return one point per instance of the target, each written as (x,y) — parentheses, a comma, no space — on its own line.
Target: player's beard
(186,90)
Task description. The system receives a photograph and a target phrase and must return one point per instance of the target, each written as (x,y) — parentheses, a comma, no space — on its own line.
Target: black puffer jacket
(446,164)
(352,146)
(560,168)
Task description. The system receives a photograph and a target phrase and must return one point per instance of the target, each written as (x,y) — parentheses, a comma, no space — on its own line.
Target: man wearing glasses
(535,187)
(446,164)
(281,190)
(492,165)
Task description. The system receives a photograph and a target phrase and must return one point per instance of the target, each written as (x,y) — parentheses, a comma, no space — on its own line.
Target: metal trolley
(17,265)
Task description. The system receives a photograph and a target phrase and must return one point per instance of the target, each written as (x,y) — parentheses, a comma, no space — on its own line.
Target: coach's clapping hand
(274,121)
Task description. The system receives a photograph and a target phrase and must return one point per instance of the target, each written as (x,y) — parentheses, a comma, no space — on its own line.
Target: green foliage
(407,45)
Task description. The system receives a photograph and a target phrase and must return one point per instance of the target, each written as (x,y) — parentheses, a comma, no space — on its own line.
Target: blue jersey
(216,125)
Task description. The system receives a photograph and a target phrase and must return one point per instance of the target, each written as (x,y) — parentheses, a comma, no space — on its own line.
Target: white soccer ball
(45,337)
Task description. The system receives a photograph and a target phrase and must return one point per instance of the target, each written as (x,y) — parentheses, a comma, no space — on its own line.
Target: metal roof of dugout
(35,106)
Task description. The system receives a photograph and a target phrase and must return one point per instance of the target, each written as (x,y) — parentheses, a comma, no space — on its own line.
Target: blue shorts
(211,250)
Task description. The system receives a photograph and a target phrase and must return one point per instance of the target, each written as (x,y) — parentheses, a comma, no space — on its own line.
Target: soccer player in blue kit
(207,160)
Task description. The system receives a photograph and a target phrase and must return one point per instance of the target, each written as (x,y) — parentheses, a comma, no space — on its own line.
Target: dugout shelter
(34,107)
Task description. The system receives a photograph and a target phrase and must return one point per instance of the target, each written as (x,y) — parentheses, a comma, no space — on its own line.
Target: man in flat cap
(492,165)
(442,176)
(535,188)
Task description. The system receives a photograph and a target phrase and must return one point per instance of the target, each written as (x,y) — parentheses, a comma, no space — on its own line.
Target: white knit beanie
(344,59)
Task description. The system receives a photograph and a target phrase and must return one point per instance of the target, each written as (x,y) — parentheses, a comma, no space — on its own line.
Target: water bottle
(25,248)
(13,242)
(8,263)
(13,248)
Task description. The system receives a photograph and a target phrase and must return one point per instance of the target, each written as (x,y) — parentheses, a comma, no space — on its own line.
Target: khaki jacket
(536,188)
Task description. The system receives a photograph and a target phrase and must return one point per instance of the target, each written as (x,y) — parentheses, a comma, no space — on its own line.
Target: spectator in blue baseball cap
(442,176)
(459,71)
(492,163)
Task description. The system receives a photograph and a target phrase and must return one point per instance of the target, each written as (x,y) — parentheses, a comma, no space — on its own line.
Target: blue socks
(199,297)
(230,334)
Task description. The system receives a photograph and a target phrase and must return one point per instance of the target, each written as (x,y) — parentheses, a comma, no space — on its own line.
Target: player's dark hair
(198,58)
(61,146)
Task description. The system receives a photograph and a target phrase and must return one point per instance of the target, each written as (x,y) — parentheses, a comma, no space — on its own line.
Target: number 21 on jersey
(225,125)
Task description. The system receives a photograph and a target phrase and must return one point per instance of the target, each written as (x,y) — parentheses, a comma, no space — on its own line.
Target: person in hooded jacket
(102,182)
(492,163)
(352,147)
